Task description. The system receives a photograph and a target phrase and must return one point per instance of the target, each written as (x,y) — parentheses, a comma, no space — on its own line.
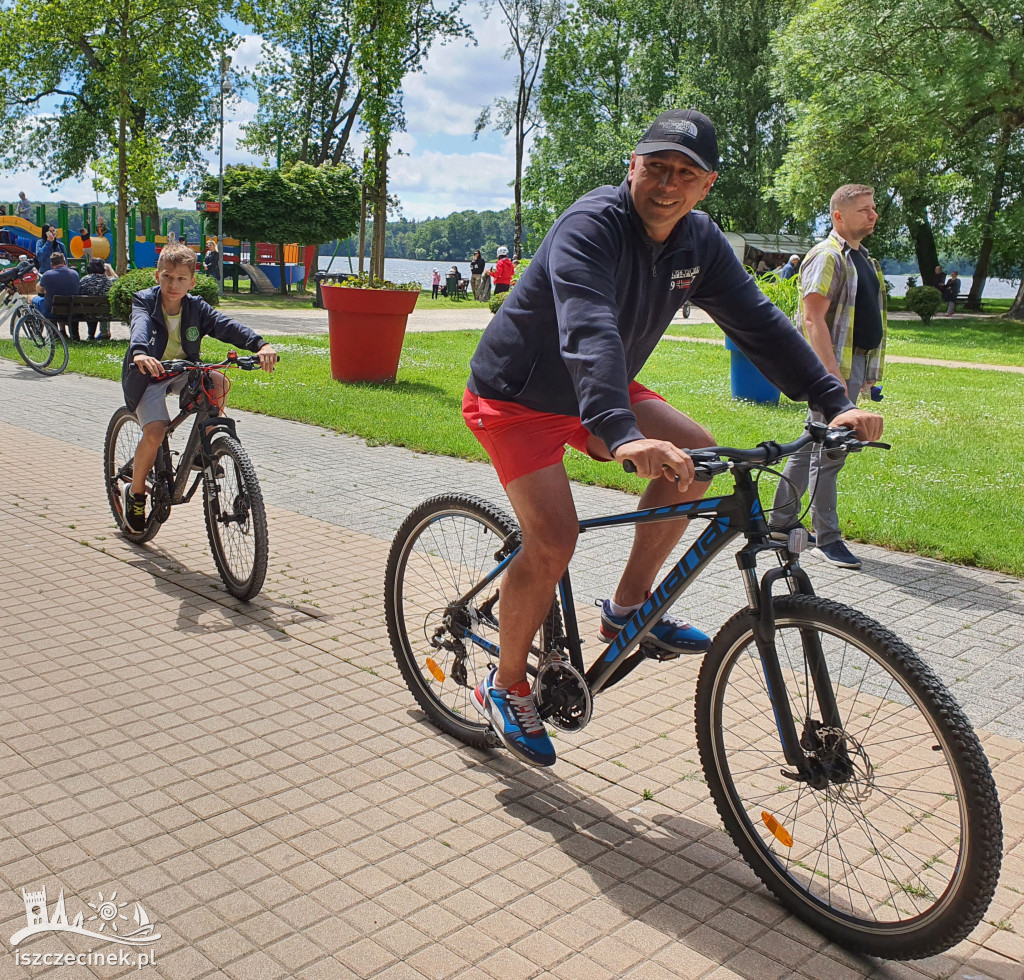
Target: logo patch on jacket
(192,334)
(683,278)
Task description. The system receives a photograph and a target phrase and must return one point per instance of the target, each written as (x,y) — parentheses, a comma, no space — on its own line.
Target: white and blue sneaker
(668,633)
(513,716)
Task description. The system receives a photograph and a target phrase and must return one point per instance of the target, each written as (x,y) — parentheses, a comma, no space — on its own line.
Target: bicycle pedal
(652,652)
(493,741)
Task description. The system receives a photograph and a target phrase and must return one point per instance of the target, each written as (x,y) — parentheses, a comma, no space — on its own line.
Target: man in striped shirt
(843,316)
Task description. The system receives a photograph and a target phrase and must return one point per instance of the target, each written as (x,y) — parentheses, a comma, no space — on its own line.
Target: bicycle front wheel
(119,445)
(236,520)
(898,853)
(445,644)
(41,345)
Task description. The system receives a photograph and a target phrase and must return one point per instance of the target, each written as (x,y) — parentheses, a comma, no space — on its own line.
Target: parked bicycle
(848,777)
(39,342)
(213,457)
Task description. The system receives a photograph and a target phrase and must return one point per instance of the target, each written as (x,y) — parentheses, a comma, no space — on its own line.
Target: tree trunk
(122,198)
(988,228)
(924,242)
(1017,307)
(380,216)
(283,269)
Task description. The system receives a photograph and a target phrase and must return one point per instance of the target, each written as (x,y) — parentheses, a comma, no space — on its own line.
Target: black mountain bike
(213,458)
(842,768)
(39,342)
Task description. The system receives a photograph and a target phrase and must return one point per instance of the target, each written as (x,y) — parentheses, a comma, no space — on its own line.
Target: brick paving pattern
(260,780)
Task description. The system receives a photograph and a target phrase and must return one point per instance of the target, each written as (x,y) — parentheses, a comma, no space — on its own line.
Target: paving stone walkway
(258,778)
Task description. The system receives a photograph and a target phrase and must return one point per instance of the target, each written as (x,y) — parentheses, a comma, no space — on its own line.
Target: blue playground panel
(295,273)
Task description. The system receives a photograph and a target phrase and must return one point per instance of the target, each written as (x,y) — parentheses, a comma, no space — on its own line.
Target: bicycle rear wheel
(443,548)
(119,445)
(40,344)
(898,854)
(236,520)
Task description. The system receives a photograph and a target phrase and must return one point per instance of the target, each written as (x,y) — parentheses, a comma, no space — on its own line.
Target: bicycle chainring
(161,507)
(563,696)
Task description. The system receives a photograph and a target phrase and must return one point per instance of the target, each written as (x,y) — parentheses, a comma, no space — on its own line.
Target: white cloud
(431,183)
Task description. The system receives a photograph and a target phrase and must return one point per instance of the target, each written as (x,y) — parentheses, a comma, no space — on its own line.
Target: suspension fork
(762,611)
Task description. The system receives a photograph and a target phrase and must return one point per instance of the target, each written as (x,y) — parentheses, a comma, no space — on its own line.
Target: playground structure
(259,262)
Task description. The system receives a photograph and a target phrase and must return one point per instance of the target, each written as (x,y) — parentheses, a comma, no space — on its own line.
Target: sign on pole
(208,206)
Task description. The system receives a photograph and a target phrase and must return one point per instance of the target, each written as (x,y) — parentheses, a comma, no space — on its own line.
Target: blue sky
(441,168)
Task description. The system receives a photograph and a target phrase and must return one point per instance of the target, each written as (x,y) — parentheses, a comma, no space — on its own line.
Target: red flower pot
(366,328)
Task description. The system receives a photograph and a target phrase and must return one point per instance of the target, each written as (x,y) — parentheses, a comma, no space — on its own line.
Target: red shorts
(521,440)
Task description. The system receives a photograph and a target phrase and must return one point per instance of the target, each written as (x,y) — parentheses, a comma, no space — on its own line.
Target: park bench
(70,310)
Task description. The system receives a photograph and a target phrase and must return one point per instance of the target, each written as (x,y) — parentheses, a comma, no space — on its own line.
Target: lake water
(414,270)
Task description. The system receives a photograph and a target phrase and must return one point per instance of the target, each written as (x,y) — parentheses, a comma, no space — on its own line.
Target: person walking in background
(790,268)
(939,279)
(96,283)
(24,207)
(842,314)
(951,292)
(435,284)
(503,271)
(476,275)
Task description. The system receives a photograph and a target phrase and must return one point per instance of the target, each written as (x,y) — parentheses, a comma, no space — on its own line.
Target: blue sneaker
(513,715)
(672,635)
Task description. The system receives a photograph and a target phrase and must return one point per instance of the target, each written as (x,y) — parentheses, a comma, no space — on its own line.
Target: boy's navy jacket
(149,335)
(587,313)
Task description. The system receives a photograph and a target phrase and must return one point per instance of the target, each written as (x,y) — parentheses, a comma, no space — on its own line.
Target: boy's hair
(176,253)
(847,193)
(96,267)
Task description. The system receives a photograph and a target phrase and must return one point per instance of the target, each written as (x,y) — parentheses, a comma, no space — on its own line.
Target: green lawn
(951,487)
(984,340)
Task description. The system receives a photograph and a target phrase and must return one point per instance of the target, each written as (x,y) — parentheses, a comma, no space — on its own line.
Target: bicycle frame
(729,516)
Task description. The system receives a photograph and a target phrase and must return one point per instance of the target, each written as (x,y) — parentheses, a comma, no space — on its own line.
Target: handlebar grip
(629,466)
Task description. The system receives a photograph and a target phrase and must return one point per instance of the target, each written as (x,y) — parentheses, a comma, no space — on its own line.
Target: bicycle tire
(442,548)
(119,444)
(41,344)
(922,890)
(238,528)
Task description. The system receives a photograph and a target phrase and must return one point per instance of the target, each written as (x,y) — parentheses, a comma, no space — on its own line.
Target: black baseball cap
(685,131)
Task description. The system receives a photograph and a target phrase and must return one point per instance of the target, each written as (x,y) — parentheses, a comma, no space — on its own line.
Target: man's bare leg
(653,543)
(544,507)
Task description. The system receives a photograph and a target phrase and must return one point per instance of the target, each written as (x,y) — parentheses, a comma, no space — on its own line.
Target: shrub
(122,290)
(497,299)
(925,301)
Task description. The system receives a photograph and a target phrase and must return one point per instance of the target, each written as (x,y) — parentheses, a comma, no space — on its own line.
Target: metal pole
(225,62)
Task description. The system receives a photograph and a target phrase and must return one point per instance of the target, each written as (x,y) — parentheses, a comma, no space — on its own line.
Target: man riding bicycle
(557,366)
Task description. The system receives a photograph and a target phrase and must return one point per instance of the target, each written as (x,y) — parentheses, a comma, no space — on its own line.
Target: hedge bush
(122,290)
(925,301)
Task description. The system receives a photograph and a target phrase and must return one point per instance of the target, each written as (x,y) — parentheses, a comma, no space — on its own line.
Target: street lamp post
(225,87)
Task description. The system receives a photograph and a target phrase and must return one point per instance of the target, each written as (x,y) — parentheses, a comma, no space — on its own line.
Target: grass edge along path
(951,488)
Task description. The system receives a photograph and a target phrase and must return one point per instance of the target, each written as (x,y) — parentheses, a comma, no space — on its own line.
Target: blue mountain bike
(848,777)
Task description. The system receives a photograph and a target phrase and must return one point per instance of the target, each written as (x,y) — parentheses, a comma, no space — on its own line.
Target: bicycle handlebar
(712,460)
(172,369)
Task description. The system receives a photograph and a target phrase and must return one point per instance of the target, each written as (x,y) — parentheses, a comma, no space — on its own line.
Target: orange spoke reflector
(435,670)
(780,832)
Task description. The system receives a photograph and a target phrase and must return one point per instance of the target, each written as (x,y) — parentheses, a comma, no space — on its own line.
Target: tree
(317,57)
(297,203)
(613,66)
(934,122)
(123,107)
(530,25)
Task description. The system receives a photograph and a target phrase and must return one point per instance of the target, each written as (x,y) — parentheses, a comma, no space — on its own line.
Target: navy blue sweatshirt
(149,335)
(598,296)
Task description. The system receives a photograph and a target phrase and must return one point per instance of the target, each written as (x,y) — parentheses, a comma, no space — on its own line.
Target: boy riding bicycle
(167,323)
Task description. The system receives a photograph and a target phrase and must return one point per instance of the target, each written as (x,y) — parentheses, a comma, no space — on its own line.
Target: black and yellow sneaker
(134,511)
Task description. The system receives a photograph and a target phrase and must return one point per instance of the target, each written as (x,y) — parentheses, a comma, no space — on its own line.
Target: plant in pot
(366,317)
